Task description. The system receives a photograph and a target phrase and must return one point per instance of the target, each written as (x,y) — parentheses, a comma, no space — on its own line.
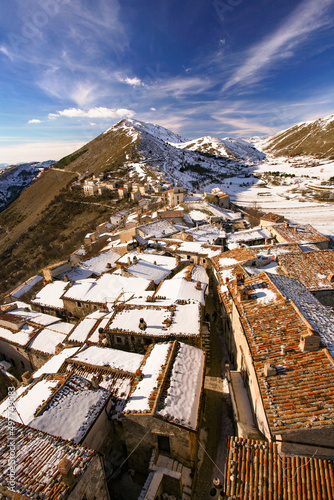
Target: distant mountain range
(13,179)
(313,138)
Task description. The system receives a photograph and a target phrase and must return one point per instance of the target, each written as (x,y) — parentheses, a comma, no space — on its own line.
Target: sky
(227,68)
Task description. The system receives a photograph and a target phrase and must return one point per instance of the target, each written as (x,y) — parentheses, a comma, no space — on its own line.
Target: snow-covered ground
(292,196)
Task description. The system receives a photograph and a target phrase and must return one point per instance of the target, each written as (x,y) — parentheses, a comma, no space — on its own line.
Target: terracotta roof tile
(255,469)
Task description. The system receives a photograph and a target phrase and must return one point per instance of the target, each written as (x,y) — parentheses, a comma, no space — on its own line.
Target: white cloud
(34,120)
(153,109)
(305,19)
(99,112)
(134,82)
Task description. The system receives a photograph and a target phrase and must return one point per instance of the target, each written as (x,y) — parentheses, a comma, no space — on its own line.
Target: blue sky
(71,68)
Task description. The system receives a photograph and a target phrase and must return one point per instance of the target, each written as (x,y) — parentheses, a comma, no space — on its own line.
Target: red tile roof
(256,470)
(301,394)
(37,455)
(314,269)
(299,233)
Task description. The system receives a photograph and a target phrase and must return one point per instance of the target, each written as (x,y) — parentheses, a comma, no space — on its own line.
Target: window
(119,340)
(79,304)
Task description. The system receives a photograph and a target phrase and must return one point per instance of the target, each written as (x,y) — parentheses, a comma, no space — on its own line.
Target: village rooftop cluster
(109,349)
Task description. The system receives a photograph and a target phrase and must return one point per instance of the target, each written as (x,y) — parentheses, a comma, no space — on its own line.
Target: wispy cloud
(93,113)
(34,120)
(308,17)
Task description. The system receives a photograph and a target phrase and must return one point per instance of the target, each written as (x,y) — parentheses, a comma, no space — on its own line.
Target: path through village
(217,423)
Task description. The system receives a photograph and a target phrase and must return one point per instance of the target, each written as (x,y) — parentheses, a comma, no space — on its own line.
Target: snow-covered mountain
(315,138)
(150,128)
(234,148)
(14,179)
(200,163)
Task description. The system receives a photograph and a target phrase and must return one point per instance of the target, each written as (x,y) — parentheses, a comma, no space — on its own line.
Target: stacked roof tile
(256,470)
(37,455)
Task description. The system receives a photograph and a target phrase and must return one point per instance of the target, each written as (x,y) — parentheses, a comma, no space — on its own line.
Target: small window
(79,304)
(119,340)
(22,364)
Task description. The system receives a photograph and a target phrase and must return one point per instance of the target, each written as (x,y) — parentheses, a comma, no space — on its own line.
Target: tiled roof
(314,269)
(271,217)
(255,470)
(37,455)
(299,233)
(300,395)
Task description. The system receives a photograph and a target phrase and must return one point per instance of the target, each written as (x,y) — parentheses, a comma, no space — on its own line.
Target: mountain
(50,218)
(142,151)
(314,138)
(16,178)
(237,149)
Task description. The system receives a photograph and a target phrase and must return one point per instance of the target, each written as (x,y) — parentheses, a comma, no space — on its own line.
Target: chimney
(26,378)
(309,341)
(283,350)
(269,369)
(66,278)
(142,324)
(243,293)
(198,285)
(59,347)
(178,260)
(65,469)
(94,382)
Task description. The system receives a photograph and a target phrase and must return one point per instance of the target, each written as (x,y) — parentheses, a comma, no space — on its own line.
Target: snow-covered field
(292,197)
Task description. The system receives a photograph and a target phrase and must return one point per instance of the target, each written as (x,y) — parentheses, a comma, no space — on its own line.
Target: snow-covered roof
(106,288)
(25,287)
(181,289)
(113,358)
(54,363)
(46,340)
(99,263)
(82,330)
(164,261)
(158,229)
(38,318)
(181,404)
(73,410)
(139,399)
(50,295)
(26,403)
(199,248)
(161,321)
(206,232)
(21,337)
(249,235)
(148,270)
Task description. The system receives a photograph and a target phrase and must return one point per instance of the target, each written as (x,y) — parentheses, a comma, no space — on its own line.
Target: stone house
(156,417)
(278,347)
(300,234)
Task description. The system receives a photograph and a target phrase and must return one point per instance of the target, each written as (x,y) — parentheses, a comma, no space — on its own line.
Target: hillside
(315,138)
(51,216)
(16,178)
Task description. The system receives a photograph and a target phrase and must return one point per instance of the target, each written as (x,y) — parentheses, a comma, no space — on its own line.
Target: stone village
(110,353)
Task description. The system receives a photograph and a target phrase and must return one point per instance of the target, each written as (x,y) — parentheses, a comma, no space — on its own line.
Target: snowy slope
(155,130)
(228,147)
(14,179)
(159,154)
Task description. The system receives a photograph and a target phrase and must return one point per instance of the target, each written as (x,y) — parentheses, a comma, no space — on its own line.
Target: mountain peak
(149,128)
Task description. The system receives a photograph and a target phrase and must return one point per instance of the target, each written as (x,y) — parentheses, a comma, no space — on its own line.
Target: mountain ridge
(314,138)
